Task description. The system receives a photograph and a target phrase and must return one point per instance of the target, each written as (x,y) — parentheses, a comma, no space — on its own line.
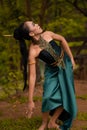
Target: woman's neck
(37,36)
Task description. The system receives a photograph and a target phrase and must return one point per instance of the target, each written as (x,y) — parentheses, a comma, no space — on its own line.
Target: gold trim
(31,63)
(59,61)
(43,44)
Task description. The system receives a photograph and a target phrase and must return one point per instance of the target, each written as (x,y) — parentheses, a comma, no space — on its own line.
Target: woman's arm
(64,45)
(32,79)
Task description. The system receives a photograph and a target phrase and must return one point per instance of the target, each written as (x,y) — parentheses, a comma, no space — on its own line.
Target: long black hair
(22,33)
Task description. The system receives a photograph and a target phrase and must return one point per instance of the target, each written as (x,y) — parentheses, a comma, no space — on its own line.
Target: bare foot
(52,124)
(43,126)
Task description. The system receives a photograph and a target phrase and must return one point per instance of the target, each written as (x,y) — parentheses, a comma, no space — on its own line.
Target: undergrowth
(20,124)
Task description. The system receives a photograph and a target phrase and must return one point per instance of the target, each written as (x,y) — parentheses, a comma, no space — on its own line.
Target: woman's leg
(52,122)
(45,116)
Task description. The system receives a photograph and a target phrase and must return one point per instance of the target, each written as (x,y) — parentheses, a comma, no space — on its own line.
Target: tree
(80,5)
(28,9)
(62,16)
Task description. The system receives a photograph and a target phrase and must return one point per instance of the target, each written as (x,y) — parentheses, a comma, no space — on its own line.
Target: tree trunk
(1,3)
(28,9)
(42,12)
(83,9)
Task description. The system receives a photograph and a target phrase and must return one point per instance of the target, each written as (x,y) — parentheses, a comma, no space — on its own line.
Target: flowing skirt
(58,90)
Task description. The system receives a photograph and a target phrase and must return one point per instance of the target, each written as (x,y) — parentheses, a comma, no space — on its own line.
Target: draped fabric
(58,90)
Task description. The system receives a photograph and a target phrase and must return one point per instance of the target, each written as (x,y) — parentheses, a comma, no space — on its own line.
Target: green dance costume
(58,88)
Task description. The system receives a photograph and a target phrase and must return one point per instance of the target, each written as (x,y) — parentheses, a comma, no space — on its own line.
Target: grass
(80,128)
(23,99)
(28,124)
(23,123)
(83,97)
(20,124)
(34,123)
(82,116)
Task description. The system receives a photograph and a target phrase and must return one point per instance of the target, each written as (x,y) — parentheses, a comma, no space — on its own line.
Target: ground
(17,109)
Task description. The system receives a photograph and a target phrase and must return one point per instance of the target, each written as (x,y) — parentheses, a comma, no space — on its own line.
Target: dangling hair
(22,33)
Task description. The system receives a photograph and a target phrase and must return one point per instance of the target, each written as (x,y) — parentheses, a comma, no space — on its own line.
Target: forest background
(65,17)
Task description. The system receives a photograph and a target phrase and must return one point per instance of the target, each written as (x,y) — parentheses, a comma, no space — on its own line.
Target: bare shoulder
(32,52)
(49,33)
(56,36)
(52,33)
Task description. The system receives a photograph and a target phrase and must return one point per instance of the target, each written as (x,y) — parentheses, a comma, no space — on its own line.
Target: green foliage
(20,124)
(10,72)
(59,16)
(83,97)
(9,60)
(68,27)
(82,116)
(36,98)
(14,99)
(26,124)
(22,99)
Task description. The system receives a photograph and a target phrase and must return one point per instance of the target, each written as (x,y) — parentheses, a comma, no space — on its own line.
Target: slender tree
(28,9)
(1,3)
(80,5)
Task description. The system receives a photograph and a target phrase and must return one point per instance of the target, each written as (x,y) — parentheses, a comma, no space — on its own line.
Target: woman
(58,89)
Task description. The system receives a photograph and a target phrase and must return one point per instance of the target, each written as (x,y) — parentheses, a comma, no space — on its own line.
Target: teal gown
(58,87)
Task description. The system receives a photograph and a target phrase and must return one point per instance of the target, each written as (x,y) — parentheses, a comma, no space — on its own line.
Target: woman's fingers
(30,110)
(29,115)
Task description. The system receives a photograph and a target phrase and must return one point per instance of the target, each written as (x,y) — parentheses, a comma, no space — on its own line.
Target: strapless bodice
(45,55)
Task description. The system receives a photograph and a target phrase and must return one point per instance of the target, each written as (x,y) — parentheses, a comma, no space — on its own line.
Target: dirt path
(17,109)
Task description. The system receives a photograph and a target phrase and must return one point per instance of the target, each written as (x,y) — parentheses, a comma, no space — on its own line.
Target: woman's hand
(31,107)
(73,64)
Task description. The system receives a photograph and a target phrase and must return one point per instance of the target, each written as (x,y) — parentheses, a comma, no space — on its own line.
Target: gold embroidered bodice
(58,59)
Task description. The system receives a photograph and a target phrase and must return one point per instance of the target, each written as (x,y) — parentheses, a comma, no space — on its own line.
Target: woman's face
(34,28)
